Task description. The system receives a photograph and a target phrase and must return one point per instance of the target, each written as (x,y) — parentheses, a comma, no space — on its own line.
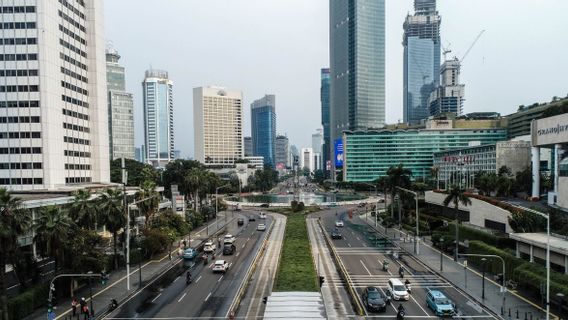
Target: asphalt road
(210,294)
(363,259)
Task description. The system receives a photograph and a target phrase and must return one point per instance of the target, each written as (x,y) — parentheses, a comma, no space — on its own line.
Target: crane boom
(470,47)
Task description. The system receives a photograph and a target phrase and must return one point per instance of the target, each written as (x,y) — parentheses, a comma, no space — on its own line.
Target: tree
(397,176)
(505,171)
(319,176)
(193,181)
(435,171)
(14,222)
(148,207)
(456,196)
(112,214)
(524,180)
(53,227)
(138,172)
(175,173)
(82,210)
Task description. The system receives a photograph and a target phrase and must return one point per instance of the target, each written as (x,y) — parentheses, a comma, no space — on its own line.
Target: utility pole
(123,167)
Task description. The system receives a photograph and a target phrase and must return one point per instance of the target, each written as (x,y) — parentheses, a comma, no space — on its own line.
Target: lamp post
(441,254)
(503,289)
(483,278)
(217,205)
(416,236)
(376,204)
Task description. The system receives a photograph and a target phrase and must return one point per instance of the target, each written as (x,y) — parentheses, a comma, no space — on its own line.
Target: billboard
(338,144)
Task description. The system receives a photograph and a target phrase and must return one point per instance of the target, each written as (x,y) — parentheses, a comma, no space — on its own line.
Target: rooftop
(557,244)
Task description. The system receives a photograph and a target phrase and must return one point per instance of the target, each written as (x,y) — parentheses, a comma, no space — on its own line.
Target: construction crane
(470,47)
(446,50)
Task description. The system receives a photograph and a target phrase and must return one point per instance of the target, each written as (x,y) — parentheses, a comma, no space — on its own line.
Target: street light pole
(217,206)
(441,255)
(483,279)
(416,236)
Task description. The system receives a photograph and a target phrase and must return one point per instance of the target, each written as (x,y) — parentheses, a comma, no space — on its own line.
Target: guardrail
(343,272)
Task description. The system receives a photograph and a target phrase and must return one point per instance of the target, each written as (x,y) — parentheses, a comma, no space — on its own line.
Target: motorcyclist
(407,285)
(401,272)
(188,277)
(400,313)
(113,304)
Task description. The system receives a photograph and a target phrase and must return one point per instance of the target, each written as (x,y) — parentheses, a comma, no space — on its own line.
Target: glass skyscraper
(324,98)
(421,43)
(357,69)
(263,126)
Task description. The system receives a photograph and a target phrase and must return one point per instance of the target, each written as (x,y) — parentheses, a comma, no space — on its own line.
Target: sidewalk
(116,286)
(467,279)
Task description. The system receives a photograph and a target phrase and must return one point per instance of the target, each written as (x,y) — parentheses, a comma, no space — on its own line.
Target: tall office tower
(421,43)
(307,159)
(158,118)
(218,125)
(120,110)
(294,157)
(317,145)
(263,126)
(54,115)
(357,69)
(324,99)
(282,152)
(248,147)
(449,96)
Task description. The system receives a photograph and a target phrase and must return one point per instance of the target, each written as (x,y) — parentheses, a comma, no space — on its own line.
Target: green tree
(397,176)
(193,181)
(53,227)
(487,183)
(15,221)
(148,207)
(319,177)
(138,172)
(456,196)
(505,171)
(82,209)
(112,213)
(524,180)
(434,172)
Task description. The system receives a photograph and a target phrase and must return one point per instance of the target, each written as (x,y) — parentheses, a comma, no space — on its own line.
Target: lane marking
(230,264)
(156,298)
(237,254)
(207,298)
(244,245)
(364,245)
(349,244)
(179,300)
(211,265)
(220,278)
(176,279)
(364,266)
(196,281)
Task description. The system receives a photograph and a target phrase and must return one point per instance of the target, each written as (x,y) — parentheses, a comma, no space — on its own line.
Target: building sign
(550,130)
(338,143)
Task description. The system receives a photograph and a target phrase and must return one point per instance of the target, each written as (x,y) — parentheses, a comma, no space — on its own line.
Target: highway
(363,258)
(210,294)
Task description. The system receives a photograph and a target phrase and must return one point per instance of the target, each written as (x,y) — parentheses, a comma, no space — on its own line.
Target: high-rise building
(263,126)
(317,145)
(282,153)
(218,125)
(120,110)
(248,147)
(54,121)
(307,159)
(324,99)
(421,43)
(140,154)
(357,69)
(449,96)
(158,118)
(294,157)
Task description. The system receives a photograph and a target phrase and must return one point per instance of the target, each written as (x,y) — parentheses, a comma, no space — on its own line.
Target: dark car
(229,249)
(240,221)
(252,218)
(336,234)
(264,205)
(374,299)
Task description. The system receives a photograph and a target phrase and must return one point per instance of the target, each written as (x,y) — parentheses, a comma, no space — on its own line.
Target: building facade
(53,95)
(519,123)
(307,159)
(324,99)
(317,146)
(282,155)
(120,110)
(421,65)
(263,127)
(449,95)
(357,65)
(257,162)
(158,117)
(218,125)
(248,147)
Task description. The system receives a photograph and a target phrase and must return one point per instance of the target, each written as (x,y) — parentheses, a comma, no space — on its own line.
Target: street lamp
(416,236)
(483,279)
(441,254)
(376,204)
(217,205)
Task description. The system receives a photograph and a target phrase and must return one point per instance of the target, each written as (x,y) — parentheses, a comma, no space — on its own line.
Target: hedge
(495,265)
(531,276)
(26,302)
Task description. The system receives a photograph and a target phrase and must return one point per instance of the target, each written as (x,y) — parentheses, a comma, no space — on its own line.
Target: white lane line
(237,254)
(349,244)
(196,281)
(156,298)
(364,266)
(176,279)
(207,298)
(230,264)
(179,300)
(358,239)
(418,304)
(244,245)
(220,278)
(211,265)
(364,245)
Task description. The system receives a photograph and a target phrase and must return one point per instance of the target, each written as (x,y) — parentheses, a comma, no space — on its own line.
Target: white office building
(158,118)
(218,125)
(307,159)
(53,95)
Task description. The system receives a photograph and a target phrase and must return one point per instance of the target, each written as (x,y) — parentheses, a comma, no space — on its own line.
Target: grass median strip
(296,271)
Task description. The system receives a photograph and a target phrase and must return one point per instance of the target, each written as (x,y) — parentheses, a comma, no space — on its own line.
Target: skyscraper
(421,43)
(317,146)
(218,125)
(324,99)
(248,147)
(54,120)
(449,96)
(120,110)
(357,69)
(158,117)
(307,159)
(263,126)
(282,152)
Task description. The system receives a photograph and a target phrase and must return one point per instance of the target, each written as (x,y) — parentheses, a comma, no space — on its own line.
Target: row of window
(72,34)
(18,57)
(72,8)
(17,9)
(77,179)
(74,74)
(19,104)
(21,88)
(75,127)
(20,135)
(18,73)
(73,166)
(18,25)
(73,153)
(23,150)
(72,48)
(72,21)
(74,101)
(75,114)
(8,41)
(72,61)
(15,181)
(74,88)
(76,140)
(19,119)
(20,165)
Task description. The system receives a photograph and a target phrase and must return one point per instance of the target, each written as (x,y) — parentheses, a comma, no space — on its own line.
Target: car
(221,266)
(189,253)
(229,238)
(336,234)
(339,223)
(361,205)
(265,205)
(262,215)
(229,249)
(240,221)
(238,207)
(252,218)
(397,290)
(209,247)
(261,227)
(374,299)
(440,304)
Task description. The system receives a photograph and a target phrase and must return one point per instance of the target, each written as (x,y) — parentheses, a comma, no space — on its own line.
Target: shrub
(154,241)
(495,265)
(25,303)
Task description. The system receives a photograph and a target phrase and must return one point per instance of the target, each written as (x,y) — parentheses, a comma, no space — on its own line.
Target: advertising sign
(338,143)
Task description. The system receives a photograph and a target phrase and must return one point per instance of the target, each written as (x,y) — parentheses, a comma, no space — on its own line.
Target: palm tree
(398,176)
(14,222)
(148,207)
(435,171)
(112,213)
(456,196)
(53,226)
(82,210)
(194,180)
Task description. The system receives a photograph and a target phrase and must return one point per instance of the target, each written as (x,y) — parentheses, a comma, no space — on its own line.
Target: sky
(279,46)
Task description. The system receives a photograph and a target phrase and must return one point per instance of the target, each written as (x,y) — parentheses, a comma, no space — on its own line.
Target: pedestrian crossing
(380,280)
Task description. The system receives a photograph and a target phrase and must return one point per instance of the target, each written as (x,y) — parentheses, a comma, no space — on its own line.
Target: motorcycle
(400,314)
(113,305)
(187,281)
(408,287)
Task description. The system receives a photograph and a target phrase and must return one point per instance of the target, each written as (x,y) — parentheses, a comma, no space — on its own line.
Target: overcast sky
(279,46)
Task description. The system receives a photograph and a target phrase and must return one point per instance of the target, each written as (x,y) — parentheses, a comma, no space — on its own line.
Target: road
(210,294)
(363,257)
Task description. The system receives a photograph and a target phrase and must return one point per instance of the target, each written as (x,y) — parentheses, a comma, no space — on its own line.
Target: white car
(339,223)
(261,227)
(221,266)
(397,290)
(262,215)
(209,247)
(229,238)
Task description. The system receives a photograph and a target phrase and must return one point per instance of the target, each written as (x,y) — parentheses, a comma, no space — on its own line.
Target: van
(397,290)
